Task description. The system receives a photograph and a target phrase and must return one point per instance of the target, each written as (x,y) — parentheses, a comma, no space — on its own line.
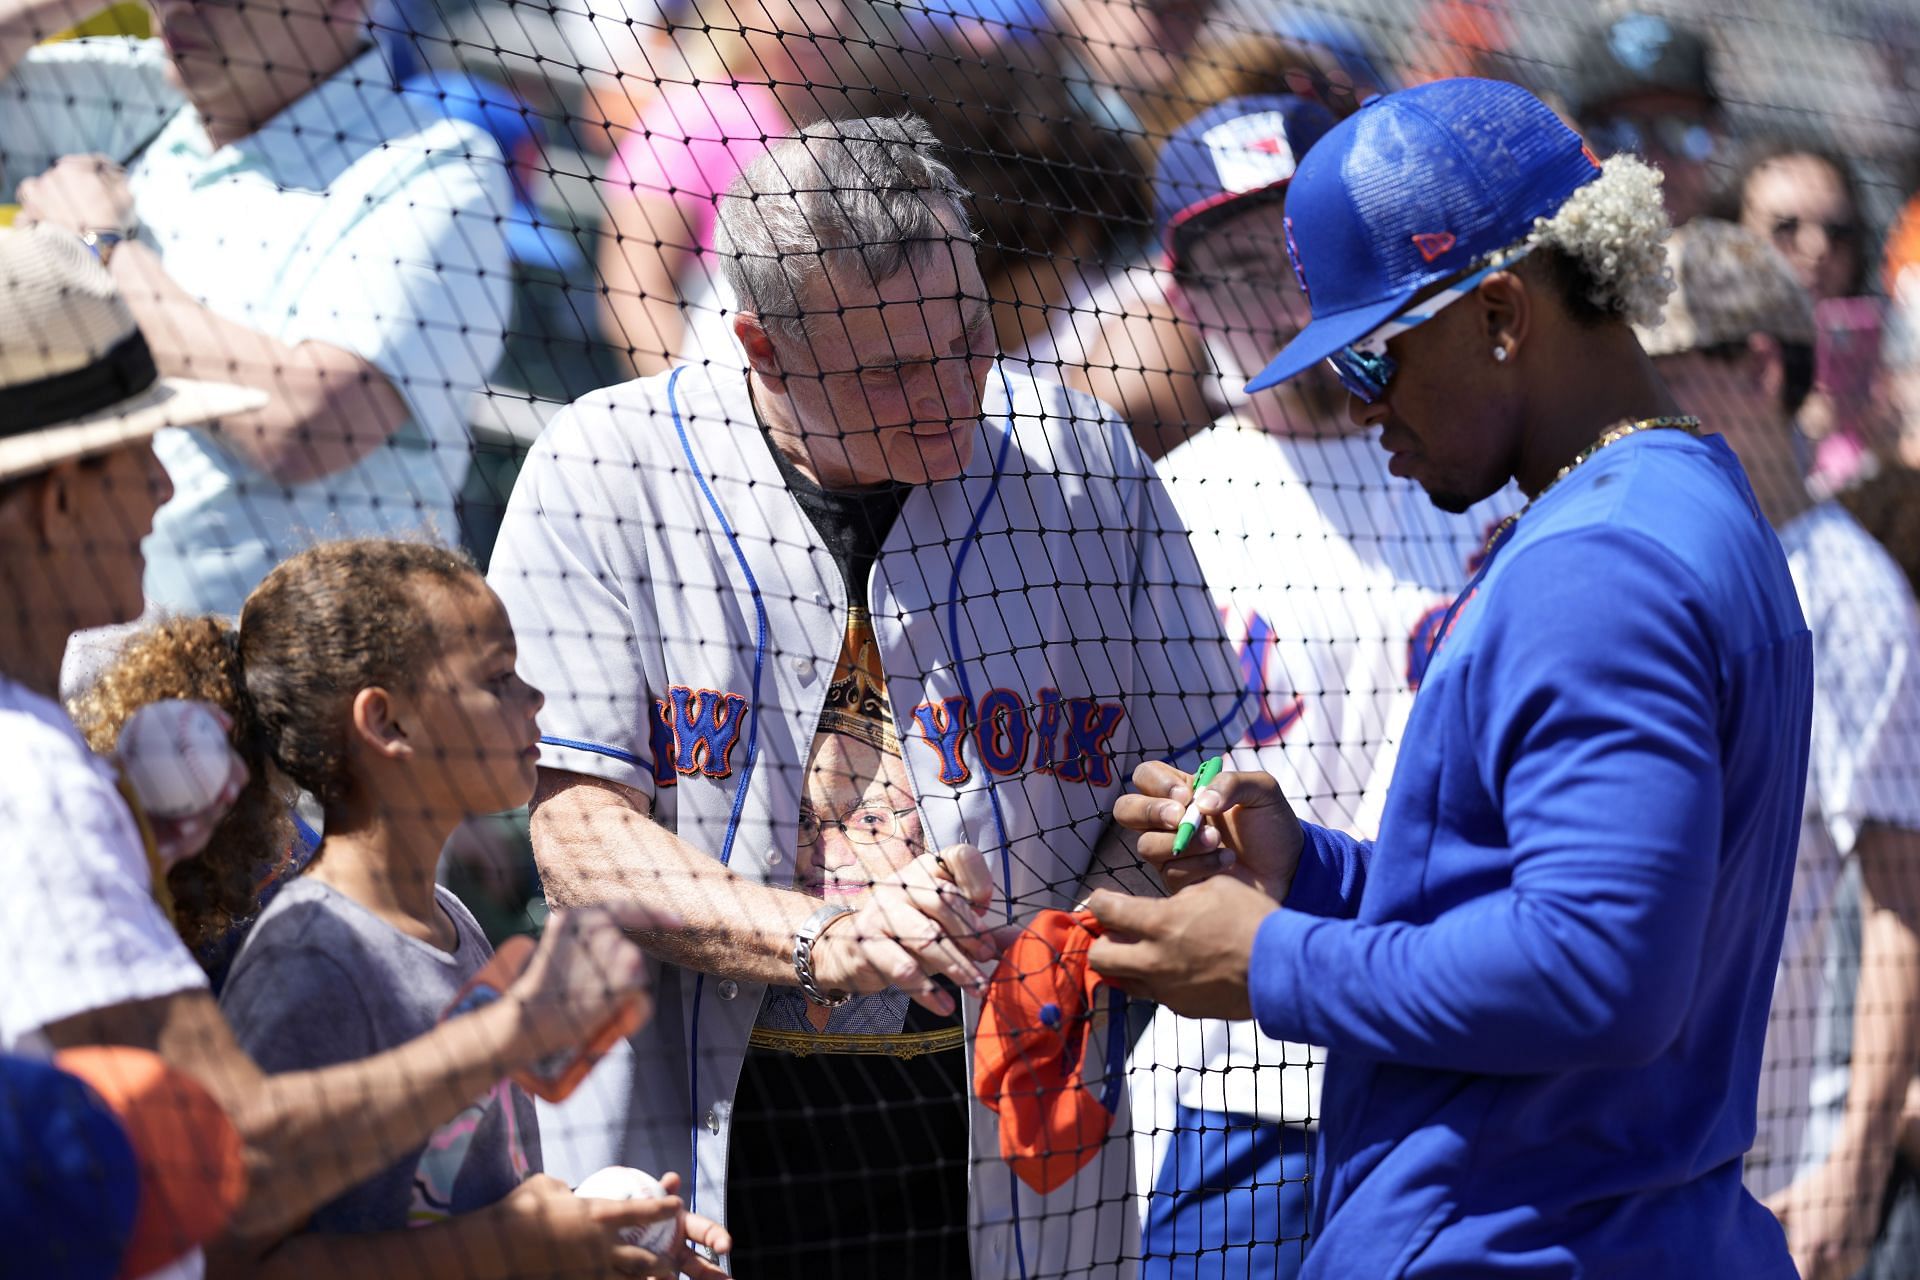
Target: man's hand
(927,920)
(1249,832)
(1830,1216)
(584,971)
(1189,952)
(80,193)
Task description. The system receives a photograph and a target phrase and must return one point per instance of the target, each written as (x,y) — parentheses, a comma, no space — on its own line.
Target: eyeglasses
(1787,229)
(869,824)
(1678,137)
(1365,368)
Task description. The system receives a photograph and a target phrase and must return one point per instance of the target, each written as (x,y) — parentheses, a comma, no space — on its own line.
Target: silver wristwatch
(104,240)
(803,938)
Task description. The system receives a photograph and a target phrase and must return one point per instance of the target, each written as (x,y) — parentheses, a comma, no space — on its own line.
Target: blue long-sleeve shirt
(1545,987)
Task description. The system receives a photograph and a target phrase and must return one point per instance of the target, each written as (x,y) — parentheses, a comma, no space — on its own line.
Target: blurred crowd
(383,244)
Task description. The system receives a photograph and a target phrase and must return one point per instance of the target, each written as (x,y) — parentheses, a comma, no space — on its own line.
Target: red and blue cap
(1239,150)
(1409,191)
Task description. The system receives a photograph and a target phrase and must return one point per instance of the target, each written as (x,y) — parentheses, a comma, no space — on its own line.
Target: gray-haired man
(849,652)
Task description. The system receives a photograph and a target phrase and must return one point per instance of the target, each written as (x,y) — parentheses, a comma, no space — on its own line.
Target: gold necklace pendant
(1612,435)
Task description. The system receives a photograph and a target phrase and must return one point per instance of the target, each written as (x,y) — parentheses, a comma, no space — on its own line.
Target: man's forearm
(1886,1019)
(25,23)
(310,1135)
(329,408)
(463,1248)
(594,847)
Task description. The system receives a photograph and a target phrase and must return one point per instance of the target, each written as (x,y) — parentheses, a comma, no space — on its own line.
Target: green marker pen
(1190,820)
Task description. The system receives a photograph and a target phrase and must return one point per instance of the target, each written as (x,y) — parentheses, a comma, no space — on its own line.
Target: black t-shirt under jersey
(849,1141)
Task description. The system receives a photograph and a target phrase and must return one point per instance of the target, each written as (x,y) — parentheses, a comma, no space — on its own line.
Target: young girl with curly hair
(378,676)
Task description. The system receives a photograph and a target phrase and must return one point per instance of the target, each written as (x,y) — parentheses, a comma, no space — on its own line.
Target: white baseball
(617,1182)
(176,756)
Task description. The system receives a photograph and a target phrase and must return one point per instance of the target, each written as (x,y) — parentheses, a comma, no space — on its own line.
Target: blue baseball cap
(1240,149)
(1409,191)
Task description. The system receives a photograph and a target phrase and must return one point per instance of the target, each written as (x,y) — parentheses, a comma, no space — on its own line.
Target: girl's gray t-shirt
(321,980)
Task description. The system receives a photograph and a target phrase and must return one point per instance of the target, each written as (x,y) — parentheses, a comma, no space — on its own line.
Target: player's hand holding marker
(1190,951)
(1242,825)
(927,920)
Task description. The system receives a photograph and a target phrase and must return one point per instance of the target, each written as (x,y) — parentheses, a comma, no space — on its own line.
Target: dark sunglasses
(1364,367)
(1675,136)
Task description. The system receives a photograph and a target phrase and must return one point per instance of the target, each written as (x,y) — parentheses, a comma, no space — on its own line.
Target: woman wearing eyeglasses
(1543,988)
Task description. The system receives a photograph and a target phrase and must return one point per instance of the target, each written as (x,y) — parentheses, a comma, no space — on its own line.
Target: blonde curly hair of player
(1613,233)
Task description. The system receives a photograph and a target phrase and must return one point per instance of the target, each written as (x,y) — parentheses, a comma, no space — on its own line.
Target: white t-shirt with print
(1864,767)
(79,929)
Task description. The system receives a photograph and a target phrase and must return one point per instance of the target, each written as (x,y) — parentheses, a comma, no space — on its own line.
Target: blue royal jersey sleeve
(1594,724)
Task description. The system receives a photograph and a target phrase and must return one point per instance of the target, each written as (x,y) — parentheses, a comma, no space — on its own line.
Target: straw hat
(76,378)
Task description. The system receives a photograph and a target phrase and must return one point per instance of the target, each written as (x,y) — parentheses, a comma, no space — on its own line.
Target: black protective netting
(809,442)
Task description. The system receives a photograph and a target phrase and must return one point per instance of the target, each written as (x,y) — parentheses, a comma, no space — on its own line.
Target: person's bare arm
(1153,368)
(540,1229)
(1831,1214)
(25,23)
(329,407)
(310,1135)
(646,254)
(596,841)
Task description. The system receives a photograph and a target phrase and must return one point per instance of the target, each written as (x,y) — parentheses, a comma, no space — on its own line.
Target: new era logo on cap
(1432,244)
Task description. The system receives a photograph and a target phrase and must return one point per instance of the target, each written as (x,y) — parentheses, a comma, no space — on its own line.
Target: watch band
(104,240)
(803,940)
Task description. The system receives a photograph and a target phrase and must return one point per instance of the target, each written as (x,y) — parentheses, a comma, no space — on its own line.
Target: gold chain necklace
(1612,435)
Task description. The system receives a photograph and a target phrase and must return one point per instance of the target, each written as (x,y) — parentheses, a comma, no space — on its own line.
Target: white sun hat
(76,378)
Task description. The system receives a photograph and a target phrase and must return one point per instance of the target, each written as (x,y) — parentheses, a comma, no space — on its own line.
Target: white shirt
(357,217)
(1330,573)
(1864,766)
(79,929)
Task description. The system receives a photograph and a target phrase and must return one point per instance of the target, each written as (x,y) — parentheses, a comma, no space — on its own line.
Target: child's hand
(585,973)
(695,1231)
(546,1230)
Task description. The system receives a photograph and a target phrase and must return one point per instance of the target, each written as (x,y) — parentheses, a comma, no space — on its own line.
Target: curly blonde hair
(199,659)
(330,621)
(1609,241)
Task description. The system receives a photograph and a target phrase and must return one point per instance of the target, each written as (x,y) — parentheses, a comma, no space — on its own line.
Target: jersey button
(713,1122)
(729,988)
(773,857)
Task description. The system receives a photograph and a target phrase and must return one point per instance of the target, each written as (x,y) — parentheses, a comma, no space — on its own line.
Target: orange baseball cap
(192,1174)
(1029,1054)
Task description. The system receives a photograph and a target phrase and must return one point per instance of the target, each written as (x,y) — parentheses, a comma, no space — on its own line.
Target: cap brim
(170,402)
(1326,335)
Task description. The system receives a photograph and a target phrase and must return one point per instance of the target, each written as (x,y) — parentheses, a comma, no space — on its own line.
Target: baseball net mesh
(483,267)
